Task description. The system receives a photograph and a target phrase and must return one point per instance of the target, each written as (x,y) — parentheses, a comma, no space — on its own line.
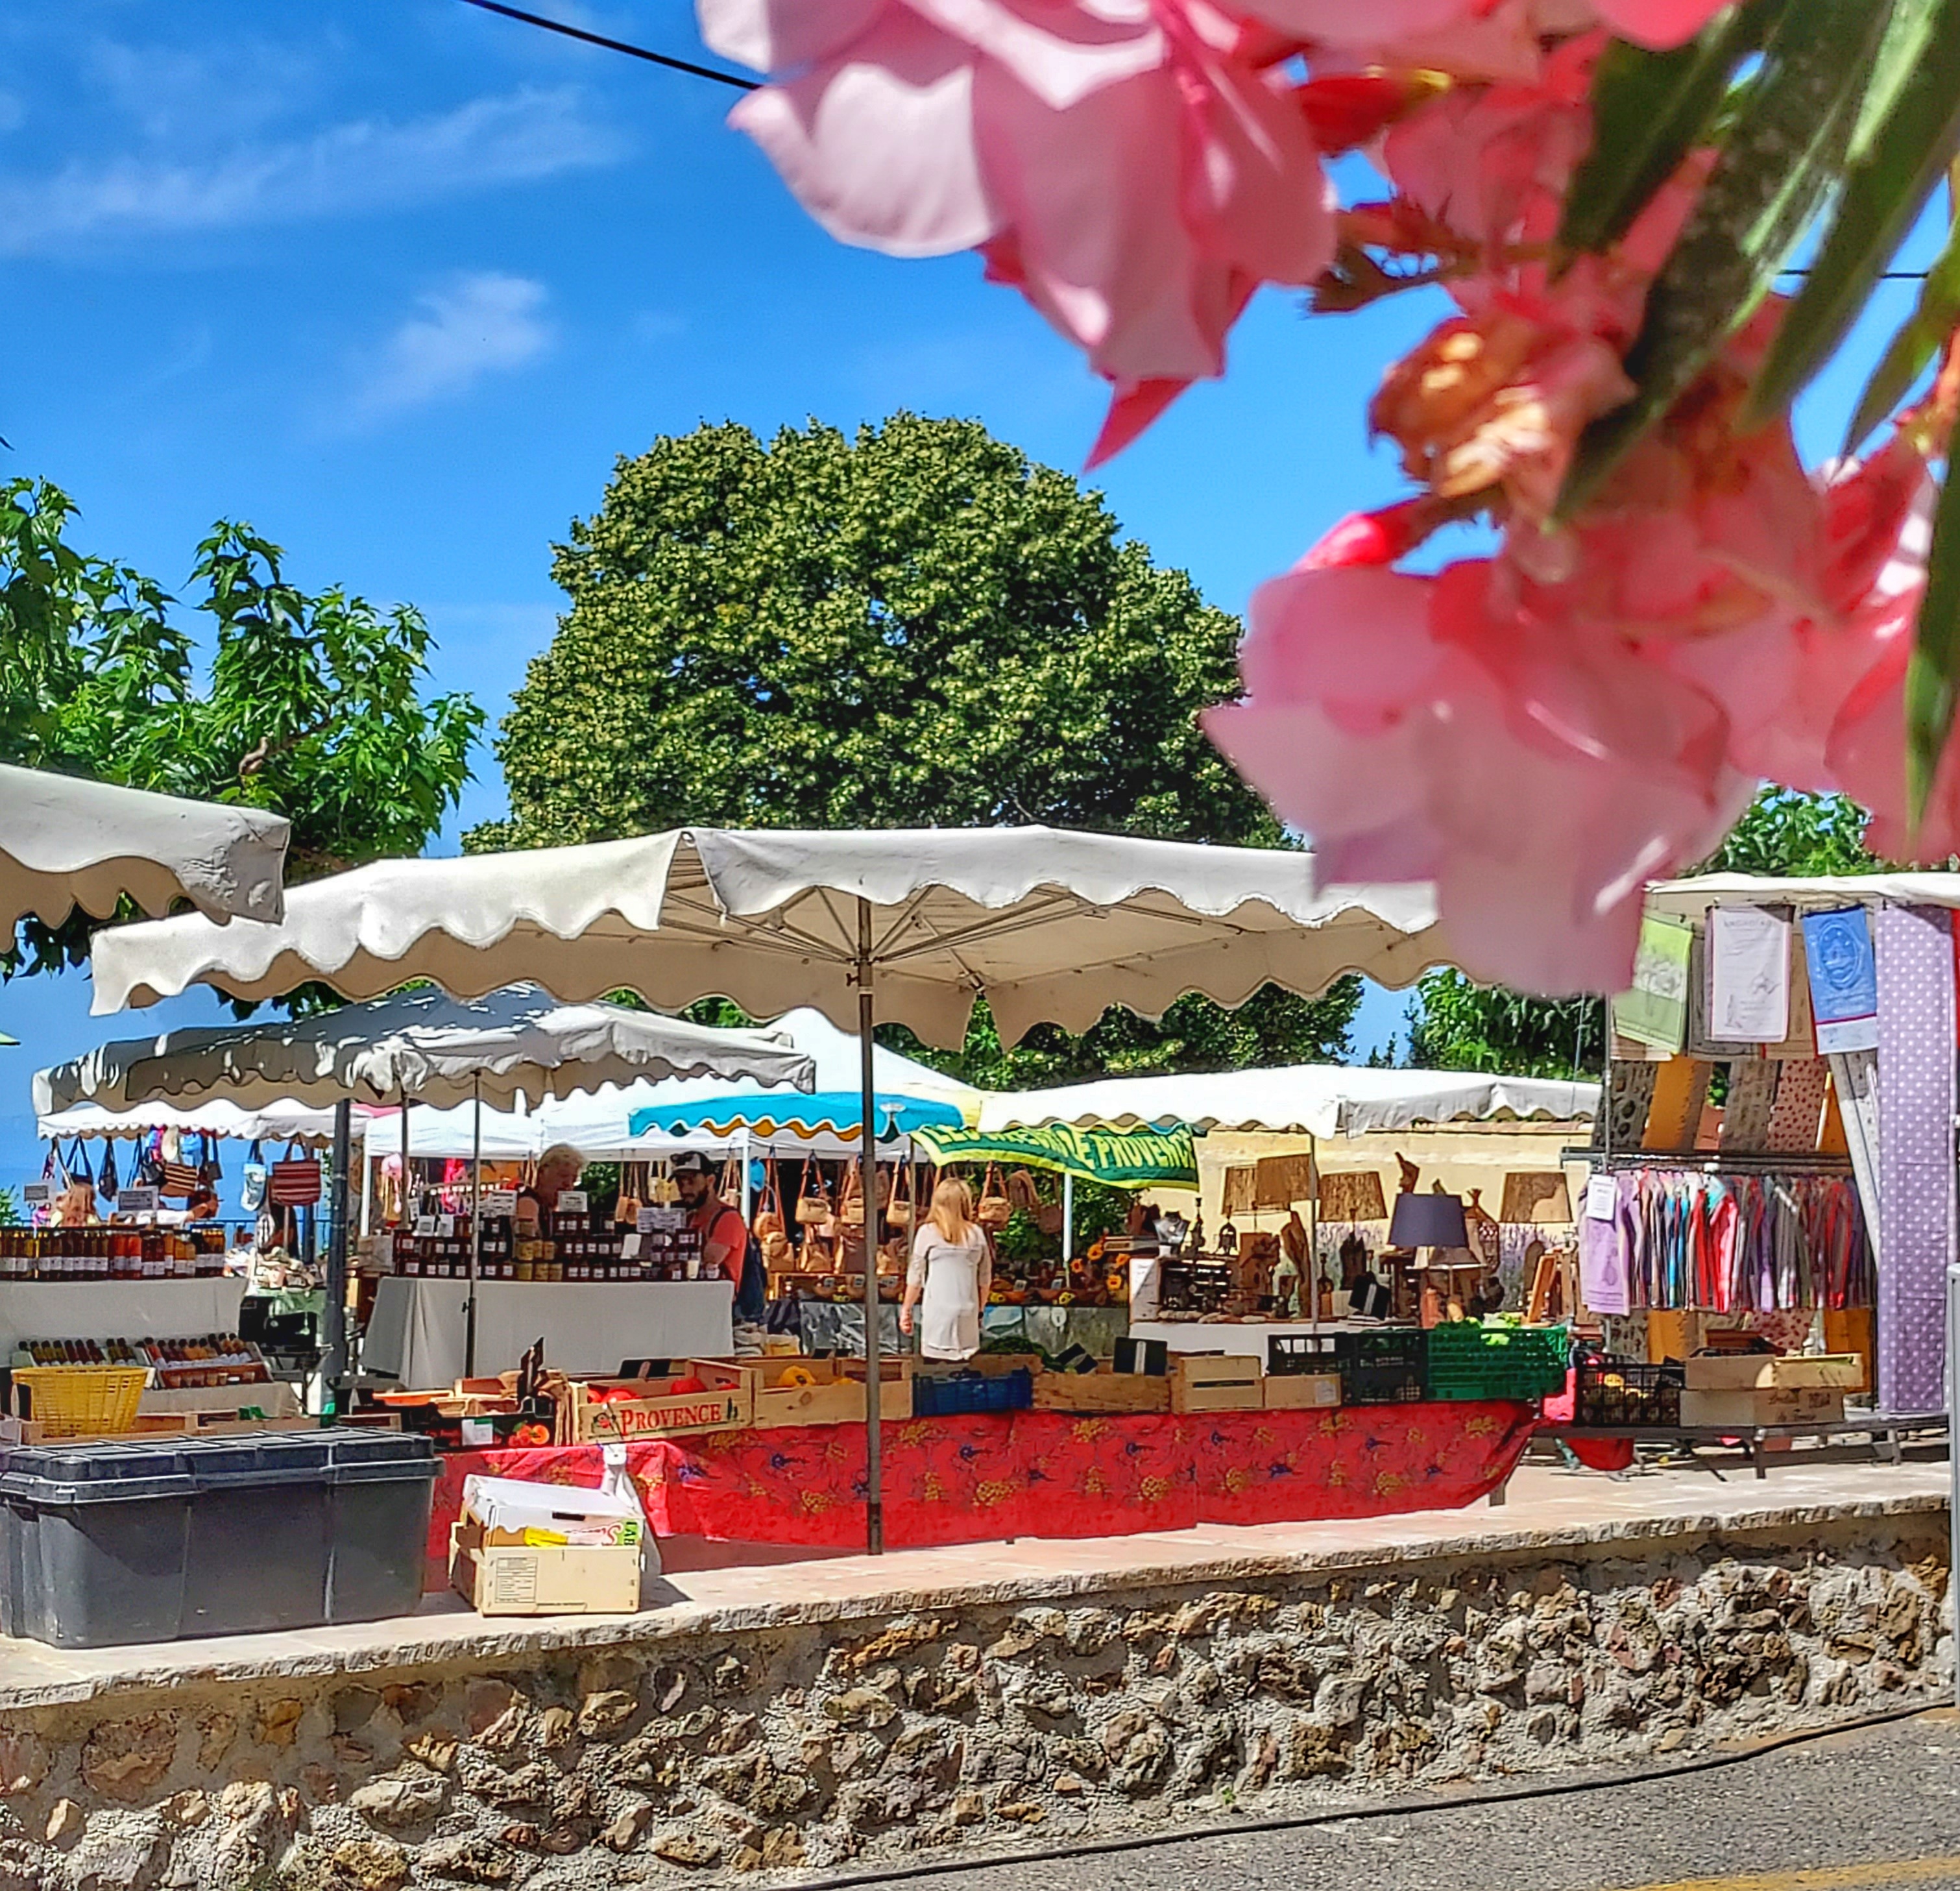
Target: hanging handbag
(1021,1191)
(850,1197)
(106,1180)
(179,1180)
(632,1192)
(993,1208)
(251,1180)
(903,1211)
(1049,1216)
(813,1208)
(210,1171)
(294,1180)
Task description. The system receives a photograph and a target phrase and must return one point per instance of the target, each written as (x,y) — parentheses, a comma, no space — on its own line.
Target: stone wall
(811,1744)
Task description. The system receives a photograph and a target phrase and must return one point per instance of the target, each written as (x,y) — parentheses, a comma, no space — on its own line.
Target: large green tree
(915,626)
(1456,1025)
(312,705)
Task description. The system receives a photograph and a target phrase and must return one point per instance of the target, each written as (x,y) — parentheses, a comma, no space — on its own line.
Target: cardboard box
(1217,1382)
(1102,1391)
(1768,1372)
(836,1397)
(519,1580)
(1301,1391)
(652,1409)
(1800,1405)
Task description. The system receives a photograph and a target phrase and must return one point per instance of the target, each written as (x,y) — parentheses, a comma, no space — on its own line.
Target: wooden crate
(837,1396)
(1101,1391)
(1301,1391)
(1216,1382)
(655,1410)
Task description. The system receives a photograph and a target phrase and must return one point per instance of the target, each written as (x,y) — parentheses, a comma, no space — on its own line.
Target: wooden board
(1101,1391)
(1222,1382)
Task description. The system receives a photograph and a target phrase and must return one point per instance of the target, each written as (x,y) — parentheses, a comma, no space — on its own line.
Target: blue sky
(396,283)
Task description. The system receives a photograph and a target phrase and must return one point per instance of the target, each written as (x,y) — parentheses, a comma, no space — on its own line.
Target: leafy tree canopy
(311,707)
(915,626)
(1455,1025)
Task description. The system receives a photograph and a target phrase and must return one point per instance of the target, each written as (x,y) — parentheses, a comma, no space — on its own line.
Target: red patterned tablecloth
(987,1477)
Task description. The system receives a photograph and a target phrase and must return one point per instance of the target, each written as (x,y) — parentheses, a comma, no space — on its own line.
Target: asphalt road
(1852,1812)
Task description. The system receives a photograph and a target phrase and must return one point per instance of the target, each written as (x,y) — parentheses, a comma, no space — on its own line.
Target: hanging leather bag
(993,1208)
(295,1182)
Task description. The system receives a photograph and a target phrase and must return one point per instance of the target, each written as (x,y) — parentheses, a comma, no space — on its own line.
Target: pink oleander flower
(1117,162)
(1441,729)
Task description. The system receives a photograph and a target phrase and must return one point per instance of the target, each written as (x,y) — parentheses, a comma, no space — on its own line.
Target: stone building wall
(731,1749)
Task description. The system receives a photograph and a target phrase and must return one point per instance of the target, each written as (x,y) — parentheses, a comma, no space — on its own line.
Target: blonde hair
(952,1209)
(562,1155)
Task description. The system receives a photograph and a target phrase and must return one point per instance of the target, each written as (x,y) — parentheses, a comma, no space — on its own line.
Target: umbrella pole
(475,1225)
(334,1311)
(867,1156)
(1067,1215)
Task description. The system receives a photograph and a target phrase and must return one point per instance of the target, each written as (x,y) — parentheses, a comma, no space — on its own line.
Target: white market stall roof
(1690,898)
(285,1122)
(65,842)
(1316,1099)
(595,1122)
(518,1041)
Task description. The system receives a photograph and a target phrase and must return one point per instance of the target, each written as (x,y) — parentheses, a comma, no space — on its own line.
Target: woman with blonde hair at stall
(951,1272)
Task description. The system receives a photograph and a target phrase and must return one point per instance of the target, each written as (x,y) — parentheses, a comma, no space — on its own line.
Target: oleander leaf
(1908,127)
(1793,123)
(1933,673)
(1650,111)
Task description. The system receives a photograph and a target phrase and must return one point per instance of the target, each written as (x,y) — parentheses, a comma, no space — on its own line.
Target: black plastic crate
(1397,1382)
(1301,1353)
(105,1544)
(1627,1392)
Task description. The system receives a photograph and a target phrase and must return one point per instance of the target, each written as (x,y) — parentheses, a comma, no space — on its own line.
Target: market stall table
(416,1332)
(984,1477)
(117,1310)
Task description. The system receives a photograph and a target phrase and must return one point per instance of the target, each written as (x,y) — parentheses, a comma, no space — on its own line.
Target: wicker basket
(84,1401)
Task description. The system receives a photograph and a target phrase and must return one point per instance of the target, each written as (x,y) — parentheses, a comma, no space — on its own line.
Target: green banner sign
(1117,1158)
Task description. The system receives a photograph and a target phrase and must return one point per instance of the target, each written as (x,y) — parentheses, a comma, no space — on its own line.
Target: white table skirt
(117,1310)
(415,1332)
(1229,1337)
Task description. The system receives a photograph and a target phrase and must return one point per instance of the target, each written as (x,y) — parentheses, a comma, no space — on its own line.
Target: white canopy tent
(65,842)
(285,1121)
(1315,1099)
(517,1042)
(908,925)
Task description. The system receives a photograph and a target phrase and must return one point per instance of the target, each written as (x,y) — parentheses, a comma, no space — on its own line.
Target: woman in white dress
(952,1271)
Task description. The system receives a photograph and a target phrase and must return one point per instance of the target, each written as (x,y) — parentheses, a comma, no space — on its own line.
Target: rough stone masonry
(788,1740)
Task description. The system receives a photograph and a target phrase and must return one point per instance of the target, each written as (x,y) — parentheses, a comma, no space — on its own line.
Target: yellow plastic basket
(81,1401)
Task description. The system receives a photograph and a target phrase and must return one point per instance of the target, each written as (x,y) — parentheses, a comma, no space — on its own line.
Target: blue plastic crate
(937,1397)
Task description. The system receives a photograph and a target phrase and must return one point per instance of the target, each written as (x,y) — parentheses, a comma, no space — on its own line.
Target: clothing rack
(1715,1161)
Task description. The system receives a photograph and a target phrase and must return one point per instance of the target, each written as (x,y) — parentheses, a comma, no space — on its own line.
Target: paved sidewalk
(1547,1509)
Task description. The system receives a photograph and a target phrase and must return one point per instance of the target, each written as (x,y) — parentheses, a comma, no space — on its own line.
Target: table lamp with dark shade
(1428,1220)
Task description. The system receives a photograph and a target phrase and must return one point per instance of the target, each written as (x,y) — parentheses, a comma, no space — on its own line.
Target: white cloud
(486,324)
(366,164)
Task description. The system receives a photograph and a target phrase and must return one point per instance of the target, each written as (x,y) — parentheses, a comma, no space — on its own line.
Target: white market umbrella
(65,842)
(519,1042)
(908,924)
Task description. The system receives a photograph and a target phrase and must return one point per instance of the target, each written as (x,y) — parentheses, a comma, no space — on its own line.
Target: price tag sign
(38,1194)
(662,1221)
(1602,1199)
(629,1247)
(425,1228)
(445,1225)
(500,1200)
(572,1201)
(137,1201)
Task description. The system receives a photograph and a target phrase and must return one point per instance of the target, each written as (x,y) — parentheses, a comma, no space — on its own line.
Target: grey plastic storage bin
(104,1544)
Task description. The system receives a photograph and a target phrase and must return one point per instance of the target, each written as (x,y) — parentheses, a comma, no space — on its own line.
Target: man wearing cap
(724,1238)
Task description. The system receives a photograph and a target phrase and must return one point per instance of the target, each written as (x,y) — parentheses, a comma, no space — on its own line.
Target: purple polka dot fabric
(1916,1169)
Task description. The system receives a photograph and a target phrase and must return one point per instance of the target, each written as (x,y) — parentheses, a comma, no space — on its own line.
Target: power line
(616,46)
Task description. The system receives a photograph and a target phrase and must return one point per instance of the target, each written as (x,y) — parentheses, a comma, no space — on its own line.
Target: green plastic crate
(1468,1361)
